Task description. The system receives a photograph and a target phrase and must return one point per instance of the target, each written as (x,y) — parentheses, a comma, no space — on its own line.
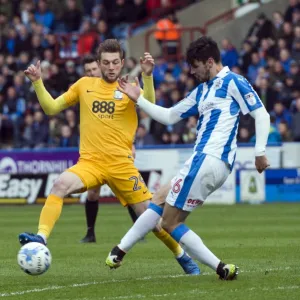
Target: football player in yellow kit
(92,69)
(108,121)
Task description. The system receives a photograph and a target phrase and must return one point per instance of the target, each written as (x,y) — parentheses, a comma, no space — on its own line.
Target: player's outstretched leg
(145,223)
(172,222)
(91,212)
(67,183)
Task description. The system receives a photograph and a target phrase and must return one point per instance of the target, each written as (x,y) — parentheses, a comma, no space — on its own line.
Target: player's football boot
(227,271)
(188,265)
(89,239)
(114,258)
(26,237)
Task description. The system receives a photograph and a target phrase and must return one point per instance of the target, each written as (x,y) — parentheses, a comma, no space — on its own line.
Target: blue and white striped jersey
(218,103)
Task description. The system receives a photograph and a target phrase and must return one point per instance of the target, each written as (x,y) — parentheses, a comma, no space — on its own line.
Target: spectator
(281,113)
(167,34)
(285,60)
(102,33)
(278,21)
(245,56)
(71,16)
(27,137)
(37,49)
(11,41)
(293,5)
(284,131)
(243,135)
(288,34)
(133,68)
(278,73)
(140,11)
(229,55)
(40,130)
(71,74)
(175,138)
(295,127)
(253,68)
(142,137)
(262,28)
(190,130)
(43,15)
(23,42)
(267,95)
(87,38)
(118,18)
(68,139)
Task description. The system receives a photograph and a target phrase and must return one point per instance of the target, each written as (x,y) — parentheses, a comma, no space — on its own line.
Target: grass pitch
(263,240)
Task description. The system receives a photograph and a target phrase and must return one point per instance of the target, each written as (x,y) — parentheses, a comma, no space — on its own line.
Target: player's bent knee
(93,195)
(168,225)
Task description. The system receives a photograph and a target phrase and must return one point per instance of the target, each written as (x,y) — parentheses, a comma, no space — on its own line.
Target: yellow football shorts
(120,175)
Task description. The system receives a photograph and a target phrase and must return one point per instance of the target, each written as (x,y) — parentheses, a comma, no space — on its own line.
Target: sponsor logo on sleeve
(250,98)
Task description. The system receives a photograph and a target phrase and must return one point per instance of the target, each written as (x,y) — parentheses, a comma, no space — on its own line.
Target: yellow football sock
(50,214)
(169,242)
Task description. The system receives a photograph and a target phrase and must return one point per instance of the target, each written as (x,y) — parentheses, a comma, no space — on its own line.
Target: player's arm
(149,92)
(49,105)
(167,116)
(147,65)
(250,102)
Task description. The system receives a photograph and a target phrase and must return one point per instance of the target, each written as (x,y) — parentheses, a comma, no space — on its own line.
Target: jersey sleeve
(72,95)
(242,92)
(187,107)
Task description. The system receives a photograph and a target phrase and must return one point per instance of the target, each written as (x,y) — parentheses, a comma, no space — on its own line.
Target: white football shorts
(200,176)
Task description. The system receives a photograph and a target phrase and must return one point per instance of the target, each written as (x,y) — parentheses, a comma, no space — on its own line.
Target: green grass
(264,240)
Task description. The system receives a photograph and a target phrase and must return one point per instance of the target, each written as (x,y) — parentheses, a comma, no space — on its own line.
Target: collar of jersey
(107,84)
(221,74)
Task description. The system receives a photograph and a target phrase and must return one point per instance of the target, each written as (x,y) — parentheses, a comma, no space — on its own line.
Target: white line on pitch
(57,287)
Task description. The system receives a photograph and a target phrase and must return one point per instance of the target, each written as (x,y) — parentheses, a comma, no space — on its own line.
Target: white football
(34,258)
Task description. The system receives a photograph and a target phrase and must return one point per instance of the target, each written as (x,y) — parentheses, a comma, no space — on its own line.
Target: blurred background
(258,39)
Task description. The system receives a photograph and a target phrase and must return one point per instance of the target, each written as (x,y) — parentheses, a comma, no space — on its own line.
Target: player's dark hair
(202,49)
(88,59)
(110,46)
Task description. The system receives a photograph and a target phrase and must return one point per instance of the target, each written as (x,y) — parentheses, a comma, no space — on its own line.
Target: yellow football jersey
(108,118)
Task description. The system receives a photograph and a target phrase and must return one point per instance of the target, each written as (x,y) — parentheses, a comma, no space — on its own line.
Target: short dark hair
(88,59)
(110,46)
(202,49)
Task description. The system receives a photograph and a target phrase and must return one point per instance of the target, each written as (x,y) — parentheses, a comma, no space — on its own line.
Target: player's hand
(147,63)
(33,72)
(132,91)
(261,163)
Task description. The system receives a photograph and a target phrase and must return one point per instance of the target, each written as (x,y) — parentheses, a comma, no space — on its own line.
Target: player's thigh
(127,184)
(93,194)
(200,176)
(159,197)
(91,174)
(67,183)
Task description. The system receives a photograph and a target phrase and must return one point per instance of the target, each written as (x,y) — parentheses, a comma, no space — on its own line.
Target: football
(34,258)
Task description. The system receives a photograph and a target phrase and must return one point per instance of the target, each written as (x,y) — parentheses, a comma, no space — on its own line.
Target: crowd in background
(269,57)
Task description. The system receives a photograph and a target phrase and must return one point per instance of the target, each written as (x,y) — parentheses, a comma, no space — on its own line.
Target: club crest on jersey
(218,83)
(250,99)
(118,95)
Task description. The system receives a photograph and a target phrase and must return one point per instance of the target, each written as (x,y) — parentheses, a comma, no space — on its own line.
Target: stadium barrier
(26,177)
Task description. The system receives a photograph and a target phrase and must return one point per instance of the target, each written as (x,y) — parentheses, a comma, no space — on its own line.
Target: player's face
(201,70)
(92,69)
(111,66)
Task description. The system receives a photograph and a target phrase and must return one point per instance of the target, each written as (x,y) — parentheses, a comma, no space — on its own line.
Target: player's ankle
(220,269)
(118,252)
